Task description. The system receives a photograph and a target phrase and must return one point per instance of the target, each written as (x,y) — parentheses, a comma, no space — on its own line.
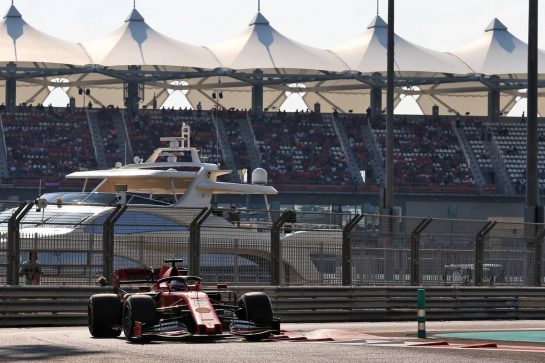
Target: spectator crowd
(295,148)
(47,143)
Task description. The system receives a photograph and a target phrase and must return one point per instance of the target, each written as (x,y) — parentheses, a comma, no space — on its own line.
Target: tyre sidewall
(256,307)
(138,308)
(104,315)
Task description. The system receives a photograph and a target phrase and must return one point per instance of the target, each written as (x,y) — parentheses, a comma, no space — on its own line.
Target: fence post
(415,250)
(421,314)
(108,243)
(347,249)
(14,243)
(538,250)
(479,251)
(90,255)
(195,241)
(276,257)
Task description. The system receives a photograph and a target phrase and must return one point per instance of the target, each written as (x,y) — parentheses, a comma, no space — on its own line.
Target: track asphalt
(338,342)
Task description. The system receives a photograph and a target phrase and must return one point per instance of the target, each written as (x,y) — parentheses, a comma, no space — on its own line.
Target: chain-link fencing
(77,244)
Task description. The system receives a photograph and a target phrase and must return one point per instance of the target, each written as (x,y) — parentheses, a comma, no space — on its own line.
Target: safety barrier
(43,305)
(322,304)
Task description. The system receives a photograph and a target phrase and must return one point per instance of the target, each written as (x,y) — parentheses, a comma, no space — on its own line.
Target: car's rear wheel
(256,307)
(104,315)
(139,308)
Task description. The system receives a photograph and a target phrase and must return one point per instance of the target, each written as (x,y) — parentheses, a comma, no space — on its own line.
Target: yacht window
(140,200)
(72,197)
(100,198)
(181,157)
(194,169)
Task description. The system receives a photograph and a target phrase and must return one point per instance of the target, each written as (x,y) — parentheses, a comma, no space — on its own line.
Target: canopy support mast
(11,88)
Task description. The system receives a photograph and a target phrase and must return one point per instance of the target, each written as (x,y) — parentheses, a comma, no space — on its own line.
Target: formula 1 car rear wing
(133,276)
(146,275)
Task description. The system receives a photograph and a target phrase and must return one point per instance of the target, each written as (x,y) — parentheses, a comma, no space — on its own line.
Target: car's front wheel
(256,307)
(104,315)
(139,308)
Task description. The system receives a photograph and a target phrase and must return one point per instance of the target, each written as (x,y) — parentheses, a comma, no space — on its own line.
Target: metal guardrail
(45,305)
(42,305)
(322,304)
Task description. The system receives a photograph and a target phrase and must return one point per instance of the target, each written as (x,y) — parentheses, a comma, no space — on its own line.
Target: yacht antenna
(186,135)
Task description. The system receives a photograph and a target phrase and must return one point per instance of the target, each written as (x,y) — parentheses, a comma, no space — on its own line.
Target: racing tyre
(256,307)
(138,308)
(104,315)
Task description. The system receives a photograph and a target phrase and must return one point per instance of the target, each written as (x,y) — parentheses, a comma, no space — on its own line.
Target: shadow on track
(42,352)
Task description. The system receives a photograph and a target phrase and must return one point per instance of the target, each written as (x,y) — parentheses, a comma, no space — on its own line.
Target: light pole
(532,185)
(388,197)
(533,212)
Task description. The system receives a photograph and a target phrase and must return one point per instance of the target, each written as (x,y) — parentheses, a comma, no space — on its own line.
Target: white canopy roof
(460,97)
(262,47)
(20,42)
(345,101)
(497,52)
(368,54)
(136,43)
(27,92)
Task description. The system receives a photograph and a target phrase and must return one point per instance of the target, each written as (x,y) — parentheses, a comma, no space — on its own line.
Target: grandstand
(510,141)
(426,153)
(147,127)
(45,144)
(233,122)
(302,148)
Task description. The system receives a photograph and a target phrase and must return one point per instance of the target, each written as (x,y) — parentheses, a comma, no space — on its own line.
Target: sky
(439,24)
(442,25)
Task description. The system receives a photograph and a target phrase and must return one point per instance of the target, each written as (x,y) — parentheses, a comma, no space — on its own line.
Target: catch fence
(76,244)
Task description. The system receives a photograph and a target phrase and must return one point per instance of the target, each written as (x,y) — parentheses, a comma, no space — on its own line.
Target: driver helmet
(178,285)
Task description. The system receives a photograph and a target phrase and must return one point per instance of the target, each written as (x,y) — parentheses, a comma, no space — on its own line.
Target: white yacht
(172,177)
(175,171)
(164,193)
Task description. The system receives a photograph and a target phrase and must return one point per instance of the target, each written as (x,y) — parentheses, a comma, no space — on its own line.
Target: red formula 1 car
(175,306)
